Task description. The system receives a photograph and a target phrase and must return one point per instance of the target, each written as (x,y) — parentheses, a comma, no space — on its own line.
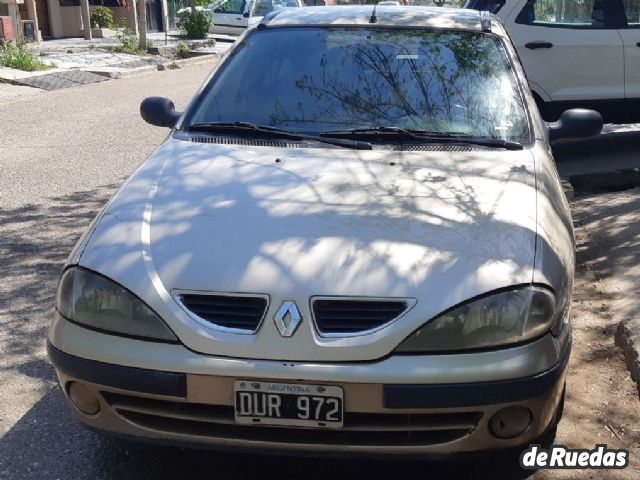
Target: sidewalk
(78,61)
(157,38)
(608,249)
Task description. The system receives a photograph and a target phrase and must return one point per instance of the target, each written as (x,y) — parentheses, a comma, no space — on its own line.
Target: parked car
(577,53)
(264,7)
(233,17)
(353,240)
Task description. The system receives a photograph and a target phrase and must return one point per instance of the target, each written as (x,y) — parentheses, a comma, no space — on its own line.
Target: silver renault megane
(354,240)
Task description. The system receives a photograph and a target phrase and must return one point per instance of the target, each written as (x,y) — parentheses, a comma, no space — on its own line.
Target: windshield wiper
(277,132)
(431,137)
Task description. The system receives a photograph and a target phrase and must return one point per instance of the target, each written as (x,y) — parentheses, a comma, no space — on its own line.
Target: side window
(492,6)
(563,13)
(262,7)
(231,6)
(632,11)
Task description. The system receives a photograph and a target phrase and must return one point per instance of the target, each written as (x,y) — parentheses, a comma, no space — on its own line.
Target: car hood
(438,226)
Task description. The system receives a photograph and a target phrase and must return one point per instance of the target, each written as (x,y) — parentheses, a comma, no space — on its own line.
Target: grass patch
(128,49)
(20,58)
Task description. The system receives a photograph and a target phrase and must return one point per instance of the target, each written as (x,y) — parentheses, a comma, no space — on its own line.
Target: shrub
(183,50)
(102,17)
(20,58)
(128,39)
(195,24)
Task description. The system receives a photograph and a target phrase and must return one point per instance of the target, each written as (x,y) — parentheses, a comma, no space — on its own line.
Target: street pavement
(62,156)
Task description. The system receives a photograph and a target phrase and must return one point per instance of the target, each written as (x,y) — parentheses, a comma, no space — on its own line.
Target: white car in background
(576,53)
(233,17)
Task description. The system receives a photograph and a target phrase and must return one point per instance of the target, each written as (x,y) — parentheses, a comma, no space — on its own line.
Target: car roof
(386,15)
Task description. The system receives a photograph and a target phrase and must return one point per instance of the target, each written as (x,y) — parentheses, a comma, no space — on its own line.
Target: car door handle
(535,45)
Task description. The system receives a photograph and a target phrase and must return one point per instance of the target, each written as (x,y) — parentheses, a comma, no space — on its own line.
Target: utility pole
(142,25)
(86,19)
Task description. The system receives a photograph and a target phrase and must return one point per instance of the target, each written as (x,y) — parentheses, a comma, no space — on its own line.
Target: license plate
(288,404)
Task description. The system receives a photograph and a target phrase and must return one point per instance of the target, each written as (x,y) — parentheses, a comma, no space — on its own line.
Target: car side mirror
(217,10)
(245,14)
(576,123)
(159,111)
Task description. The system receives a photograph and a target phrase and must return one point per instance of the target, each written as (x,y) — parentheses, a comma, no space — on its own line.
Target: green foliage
(20,58)
(128,39)
(195,24)
(198,3)
(102,17)
(183,50)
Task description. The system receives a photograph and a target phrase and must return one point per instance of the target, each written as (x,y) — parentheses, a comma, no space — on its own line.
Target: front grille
(340,317)
(242,313)
(363,429)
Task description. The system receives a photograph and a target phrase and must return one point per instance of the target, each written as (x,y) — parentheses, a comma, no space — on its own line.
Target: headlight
(496,320)
(95,301)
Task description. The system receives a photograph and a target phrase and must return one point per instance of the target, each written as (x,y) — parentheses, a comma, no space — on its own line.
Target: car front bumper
(415,411)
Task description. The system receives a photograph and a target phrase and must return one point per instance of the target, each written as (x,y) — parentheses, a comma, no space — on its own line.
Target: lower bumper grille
(362,429)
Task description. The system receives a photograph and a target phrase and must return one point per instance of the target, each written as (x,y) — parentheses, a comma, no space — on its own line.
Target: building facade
(64,18)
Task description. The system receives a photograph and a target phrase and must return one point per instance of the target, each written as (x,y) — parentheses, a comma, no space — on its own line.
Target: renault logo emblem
(287,319)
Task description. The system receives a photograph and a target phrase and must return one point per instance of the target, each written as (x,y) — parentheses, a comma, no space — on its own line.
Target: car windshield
(318,80)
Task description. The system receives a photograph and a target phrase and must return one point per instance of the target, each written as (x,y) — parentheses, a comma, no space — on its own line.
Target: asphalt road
(62,155)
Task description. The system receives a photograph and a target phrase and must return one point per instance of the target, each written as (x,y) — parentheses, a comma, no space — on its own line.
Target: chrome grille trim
(244,312)
(351,305)
(217,421)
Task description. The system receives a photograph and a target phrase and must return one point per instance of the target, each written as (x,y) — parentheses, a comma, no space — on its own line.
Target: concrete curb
(163,65)
(604,182)
(628,338)
(567,188)
(117,72)
(97,44)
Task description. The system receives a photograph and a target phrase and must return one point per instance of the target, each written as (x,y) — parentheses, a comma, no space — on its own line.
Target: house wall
(42,12)
(10,10)
(71,20)
(65,21)
(122,12)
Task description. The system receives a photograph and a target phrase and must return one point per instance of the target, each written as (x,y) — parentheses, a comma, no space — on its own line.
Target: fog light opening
(510,422)
(83,399)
